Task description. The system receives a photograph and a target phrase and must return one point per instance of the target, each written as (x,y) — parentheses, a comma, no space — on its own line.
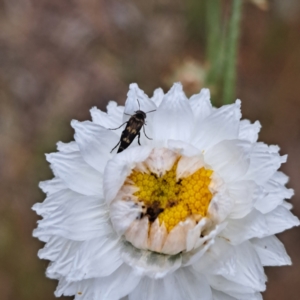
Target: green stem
(231,52)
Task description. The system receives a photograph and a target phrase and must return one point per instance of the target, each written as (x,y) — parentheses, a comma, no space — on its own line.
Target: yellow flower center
(171,200)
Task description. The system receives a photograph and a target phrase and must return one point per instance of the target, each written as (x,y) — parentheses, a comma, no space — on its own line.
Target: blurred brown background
(58,58)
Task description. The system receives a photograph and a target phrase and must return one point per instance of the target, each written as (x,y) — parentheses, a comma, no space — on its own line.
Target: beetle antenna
(150,111)
(138,103)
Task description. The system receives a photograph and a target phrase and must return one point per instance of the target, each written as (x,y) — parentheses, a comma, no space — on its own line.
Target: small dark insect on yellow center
(171,200)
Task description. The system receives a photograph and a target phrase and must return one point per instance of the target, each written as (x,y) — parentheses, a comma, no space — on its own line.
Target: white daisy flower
(190,213)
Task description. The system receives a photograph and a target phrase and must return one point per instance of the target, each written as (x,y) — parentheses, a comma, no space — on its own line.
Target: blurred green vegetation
(60,58)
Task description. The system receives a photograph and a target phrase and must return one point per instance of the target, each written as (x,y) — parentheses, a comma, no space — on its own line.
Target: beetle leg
(115,147)
(146,134)
(117,127)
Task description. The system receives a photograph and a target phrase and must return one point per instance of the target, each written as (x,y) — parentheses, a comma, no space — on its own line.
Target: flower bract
(188,209)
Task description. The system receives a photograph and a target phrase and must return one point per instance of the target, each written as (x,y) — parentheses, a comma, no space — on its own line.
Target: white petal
(155,289)
(280,177)
(217,295)
(148,263)
(71,288)
(76,173)
(201,105)
(98,257)
(232,295)
(220,283)
(183,148)
(123,213)
(62,264)
(194,232)
(52,249)
(214,232)
(264,162)
(81,218)
(242,192)
(184,284)
(271,251)
(220,206)
(52,186)
(137,233)
(174,117)
(161,160)
(112,119)
(250,296)
(192,285)
(158,96)
(119,167)
(287,205)
(274,195)
(95,143)
(280,219)
(117,285)
(202,245)
(53,201)
(221,124)
(254,296)
(249,271)
(176,239)
(229,159)
(157,237)
(240,230)
(248,131)
(219,260)
(189,165)
(113,287)
(67,147)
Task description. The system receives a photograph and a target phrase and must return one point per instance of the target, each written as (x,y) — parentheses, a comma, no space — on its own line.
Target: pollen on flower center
(172,200)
